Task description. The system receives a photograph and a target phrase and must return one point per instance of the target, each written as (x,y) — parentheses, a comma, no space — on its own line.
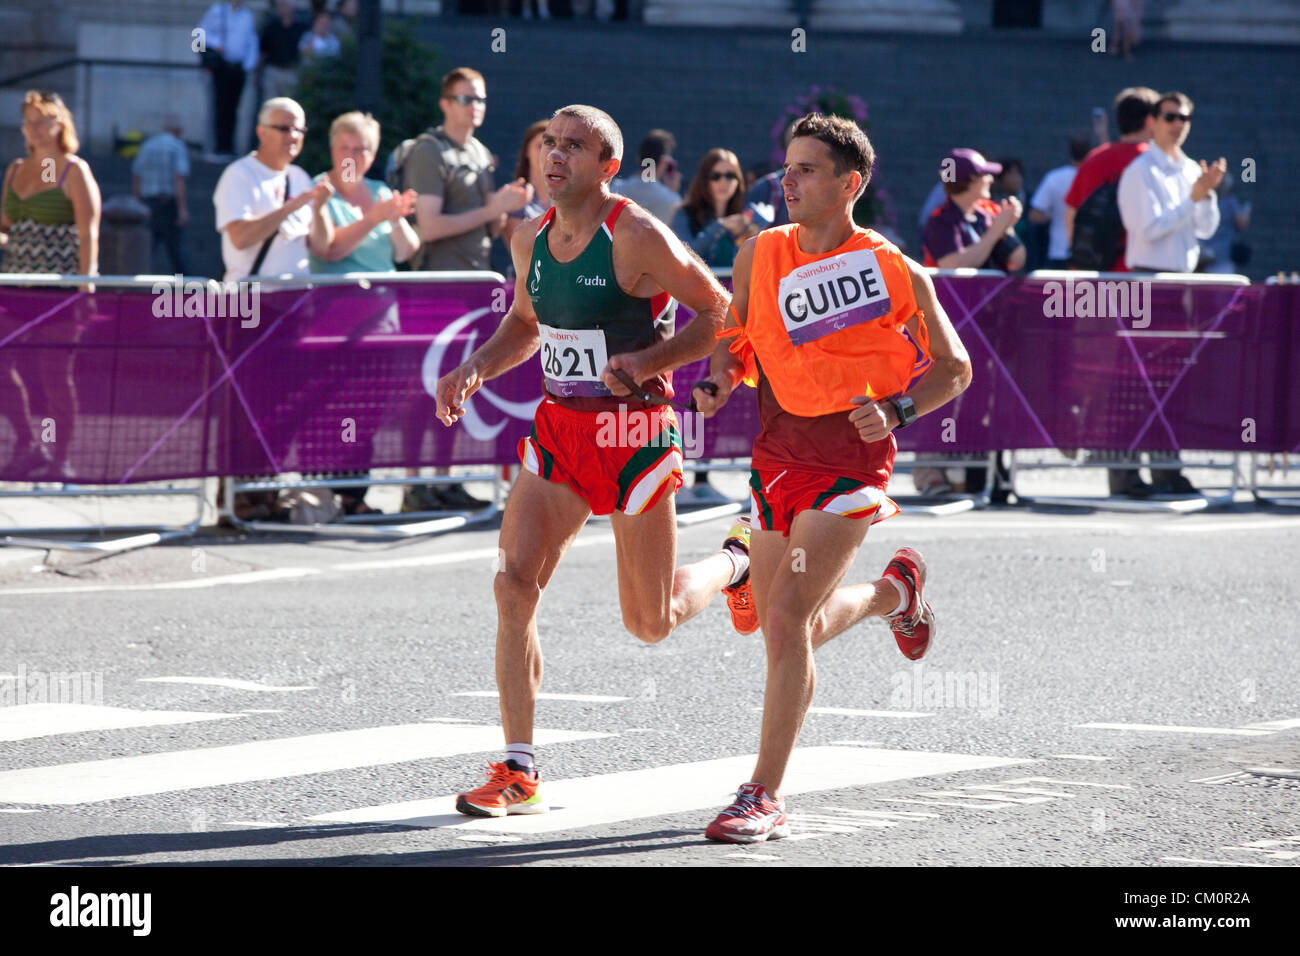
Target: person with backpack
(1096,236)
(1093,227)
(458,212)
(457,215)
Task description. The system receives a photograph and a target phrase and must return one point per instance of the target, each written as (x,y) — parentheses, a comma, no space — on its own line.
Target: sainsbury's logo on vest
(589,280)
(832,294)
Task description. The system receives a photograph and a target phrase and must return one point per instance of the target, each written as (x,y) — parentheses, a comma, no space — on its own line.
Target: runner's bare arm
(513,343)
(947,378)
(665,263)
(725,370)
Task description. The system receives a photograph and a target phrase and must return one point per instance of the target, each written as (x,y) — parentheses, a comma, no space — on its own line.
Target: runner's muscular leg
(796,577)
(656,595)
(540,522)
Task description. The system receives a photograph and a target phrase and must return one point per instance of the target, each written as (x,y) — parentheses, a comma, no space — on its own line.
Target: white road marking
(1222,777)
(221,682)
(16,810)
(897,815)
(27,721)
(262,710)
(490,838)
(1189,859)
(1275,725)
(1160,728)
(448,720)
(1069,783)
(260,824)
(949,803)
(660,791)
(244,577)
(419,561)
(749,856)
(91,781)
(582,698)
(1078,757)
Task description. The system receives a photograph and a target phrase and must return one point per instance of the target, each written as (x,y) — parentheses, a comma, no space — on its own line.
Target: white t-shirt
(1050,198)
(249,189)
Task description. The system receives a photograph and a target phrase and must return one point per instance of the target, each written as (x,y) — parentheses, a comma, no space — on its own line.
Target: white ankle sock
(902,597)
(522,754)
(739,565)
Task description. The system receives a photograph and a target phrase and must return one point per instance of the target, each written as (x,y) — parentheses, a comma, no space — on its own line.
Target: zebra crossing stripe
(707,785)
(92,781)
(28,721)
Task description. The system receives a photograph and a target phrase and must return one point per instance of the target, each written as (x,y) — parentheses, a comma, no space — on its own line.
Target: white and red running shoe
(753,818)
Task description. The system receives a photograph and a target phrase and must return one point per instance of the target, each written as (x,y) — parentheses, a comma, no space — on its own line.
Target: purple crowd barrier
(113,386)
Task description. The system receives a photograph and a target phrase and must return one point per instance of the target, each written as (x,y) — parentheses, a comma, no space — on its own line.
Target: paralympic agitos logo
(433,368)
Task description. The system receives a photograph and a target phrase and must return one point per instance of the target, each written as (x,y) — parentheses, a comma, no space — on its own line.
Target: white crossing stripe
(1275,725)
(27,721)
(88,782)
(1160,728)
(583,698)
(707,785)
(230,682)
(1078,757)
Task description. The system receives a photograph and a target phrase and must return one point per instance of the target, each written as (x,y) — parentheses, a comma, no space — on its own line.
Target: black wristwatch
(905,409)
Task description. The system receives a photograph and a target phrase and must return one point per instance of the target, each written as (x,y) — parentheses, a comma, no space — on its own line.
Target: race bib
(828,295)
(572,360)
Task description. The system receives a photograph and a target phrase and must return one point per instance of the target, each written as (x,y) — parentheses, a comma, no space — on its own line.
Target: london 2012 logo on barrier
(437,363)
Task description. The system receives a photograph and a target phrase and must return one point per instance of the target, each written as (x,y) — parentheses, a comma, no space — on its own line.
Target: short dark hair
(523,167)
(1079,146)
(1173,96)
(600,123)
(849,146)
(460,73)
(1132,107)
(957,186)
(656,144)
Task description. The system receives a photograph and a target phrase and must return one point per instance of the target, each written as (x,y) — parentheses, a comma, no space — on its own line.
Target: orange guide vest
(828,327)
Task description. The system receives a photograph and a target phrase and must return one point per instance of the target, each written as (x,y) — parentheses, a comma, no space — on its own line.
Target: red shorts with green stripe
(778,494)
(614,460)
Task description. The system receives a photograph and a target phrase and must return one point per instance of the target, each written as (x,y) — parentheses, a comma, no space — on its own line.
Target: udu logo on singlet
(831,294)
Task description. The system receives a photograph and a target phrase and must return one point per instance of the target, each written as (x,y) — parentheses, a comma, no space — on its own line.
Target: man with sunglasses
(458,212)
(264,202)
(1166,199)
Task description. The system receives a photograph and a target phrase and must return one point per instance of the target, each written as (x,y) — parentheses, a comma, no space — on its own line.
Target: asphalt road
(1182,628)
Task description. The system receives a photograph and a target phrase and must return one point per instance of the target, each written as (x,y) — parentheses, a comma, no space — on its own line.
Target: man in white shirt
(1048,203)
(1166,200)
(229,30)
(252,204)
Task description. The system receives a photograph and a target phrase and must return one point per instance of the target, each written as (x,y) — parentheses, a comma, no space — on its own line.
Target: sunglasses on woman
(714,177)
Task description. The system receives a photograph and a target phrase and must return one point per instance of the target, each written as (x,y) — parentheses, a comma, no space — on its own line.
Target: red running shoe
(753,818)
(914,626)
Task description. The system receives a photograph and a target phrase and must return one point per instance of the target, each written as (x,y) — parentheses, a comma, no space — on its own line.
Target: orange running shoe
(740,597)
(508,790)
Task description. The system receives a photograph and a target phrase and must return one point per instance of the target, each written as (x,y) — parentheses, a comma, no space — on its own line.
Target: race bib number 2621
(572,360)
(831,294)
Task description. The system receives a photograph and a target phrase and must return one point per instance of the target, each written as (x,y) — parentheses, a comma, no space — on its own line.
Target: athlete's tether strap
(643,395)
